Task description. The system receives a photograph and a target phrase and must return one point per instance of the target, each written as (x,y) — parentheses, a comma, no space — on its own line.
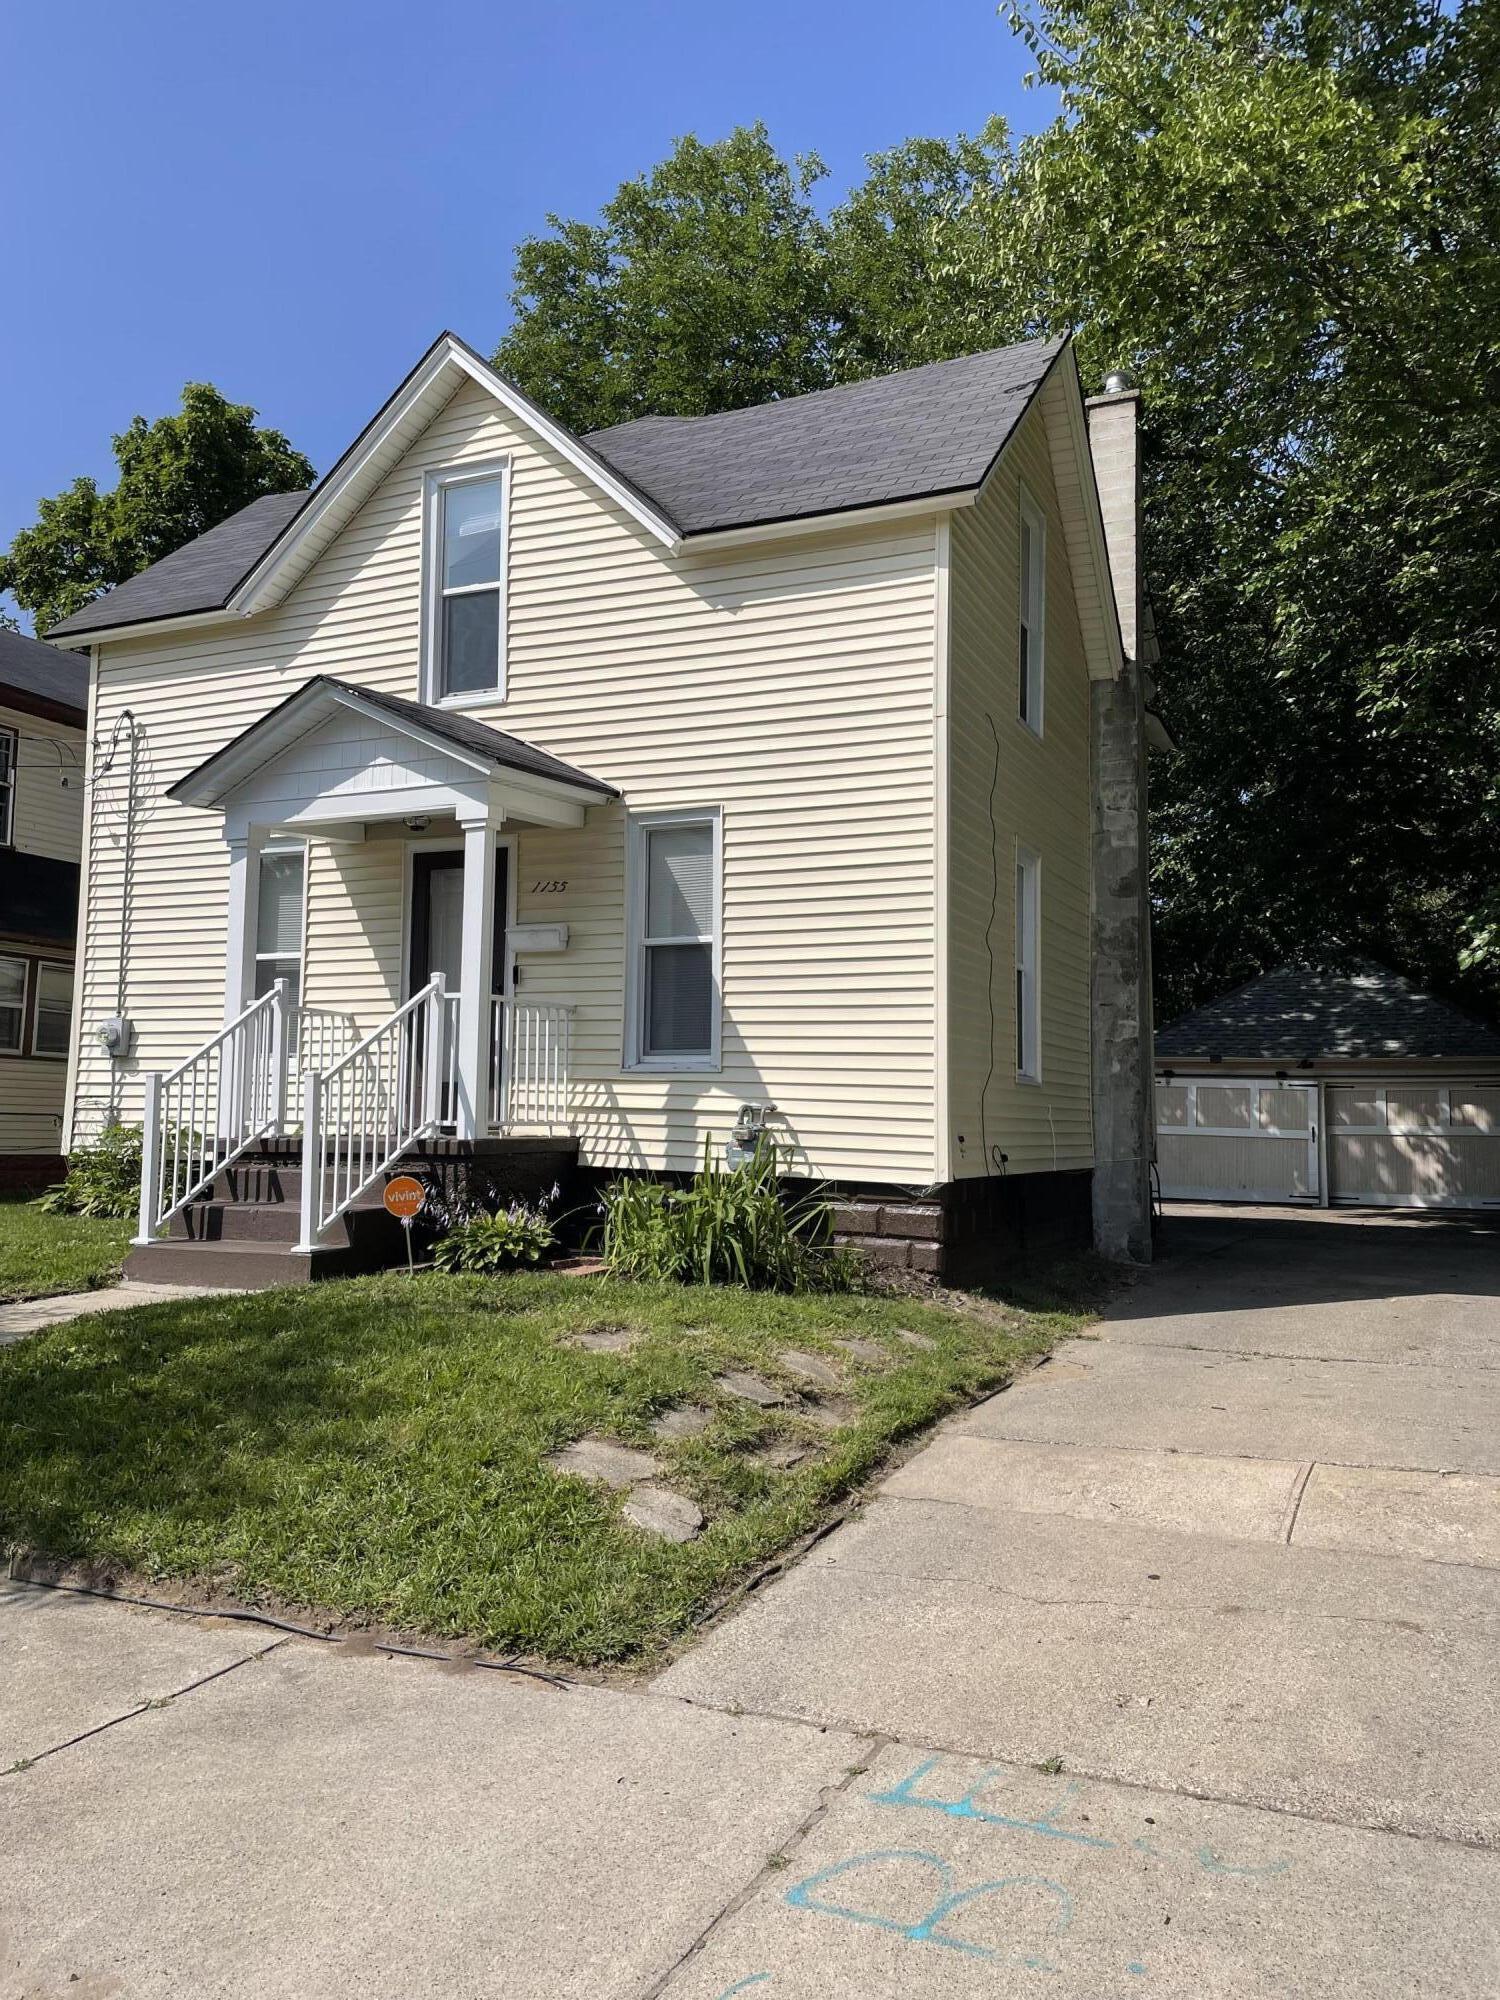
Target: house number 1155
(548,888)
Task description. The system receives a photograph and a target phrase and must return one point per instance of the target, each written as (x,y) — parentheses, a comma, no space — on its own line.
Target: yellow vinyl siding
(1040,802)
(32,1092)
(790,683)
(49,813)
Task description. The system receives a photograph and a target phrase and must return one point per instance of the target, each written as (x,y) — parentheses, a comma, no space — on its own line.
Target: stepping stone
(602,1339)
(689,1420)
(834,1413)
(809,1368)
(864,1350)
(597,1458)
(750,1388)
(914,1339)
(783,1456)
(660,1511)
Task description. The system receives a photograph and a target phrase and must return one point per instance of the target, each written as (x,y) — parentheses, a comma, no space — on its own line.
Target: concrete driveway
(1172,1671)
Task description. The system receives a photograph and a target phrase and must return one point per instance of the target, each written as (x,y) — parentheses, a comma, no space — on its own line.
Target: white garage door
(1414,1144)
(1237,1140)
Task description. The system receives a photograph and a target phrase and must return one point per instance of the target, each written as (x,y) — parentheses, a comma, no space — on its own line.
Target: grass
(376,1446)
(41,1254)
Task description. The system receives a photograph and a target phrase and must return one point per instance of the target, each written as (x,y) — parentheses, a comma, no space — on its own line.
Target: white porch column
(474,975)
(244,898)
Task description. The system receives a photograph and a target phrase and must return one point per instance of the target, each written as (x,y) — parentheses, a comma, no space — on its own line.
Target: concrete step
(270,1221)
(248,1267)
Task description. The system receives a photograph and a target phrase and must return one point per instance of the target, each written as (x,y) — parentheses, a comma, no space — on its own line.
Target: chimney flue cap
(1117,381)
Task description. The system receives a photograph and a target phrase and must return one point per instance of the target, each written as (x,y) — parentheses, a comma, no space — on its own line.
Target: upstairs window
(52,1011)
(8,741)
(1028,966)
(1033,620)
(675,942)
(12,1004)
(278,922)
(466,528)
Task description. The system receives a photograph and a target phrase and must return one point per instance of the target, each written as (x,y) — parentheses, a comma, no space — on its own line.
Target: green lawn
(376,1446)
(40,1254)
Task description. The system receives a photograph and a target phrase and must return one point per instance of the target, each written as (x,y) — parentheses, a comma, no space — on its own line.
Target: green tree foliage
(1285,219)
(178,477)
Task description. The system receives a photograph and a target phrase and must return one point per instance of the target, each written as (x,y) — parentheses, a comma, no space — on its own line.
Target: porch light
(418,822)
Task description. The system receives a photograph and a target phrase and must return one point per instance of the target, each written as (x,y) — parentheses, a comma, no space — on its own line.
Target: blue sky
(292,200)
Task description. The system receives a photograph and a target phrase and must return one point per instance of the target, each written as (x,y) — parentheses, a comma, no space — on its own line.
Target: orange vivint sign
(404,1196)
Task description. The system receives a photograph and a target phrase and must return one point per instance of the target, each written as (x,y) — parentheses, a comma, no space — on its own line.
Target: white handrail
(534,1085)
(361,1114)
(202,1115)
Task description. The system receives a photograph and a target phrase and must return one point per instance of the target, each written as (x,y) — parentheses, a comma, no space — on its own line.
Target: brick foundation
(968,1231)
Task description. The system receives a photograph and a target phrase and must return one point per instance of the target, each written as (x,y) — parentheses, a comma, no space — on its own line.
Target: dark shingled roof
(200,576)
(1368,1012)
(31,668)
(909,436)
(925,431)
(461,730)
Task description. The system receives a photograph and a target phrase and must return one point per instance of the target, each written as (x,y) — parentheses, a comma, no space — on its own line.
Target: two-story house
(43,712)
(780,769)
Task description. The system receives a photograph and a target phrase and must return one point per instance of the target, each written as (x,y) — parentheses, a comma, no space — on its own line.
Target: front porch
(454,1054)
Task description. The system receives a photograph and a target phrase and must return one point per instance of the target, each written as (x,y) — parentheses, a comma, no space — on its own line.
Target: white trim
(1113,664)
(435,485)
(840,517)
(81,933)
(255,954)
(638,825)
(1028,947)
(51,965)
(11,787)
(942,809)
(1031,610)
(18,958)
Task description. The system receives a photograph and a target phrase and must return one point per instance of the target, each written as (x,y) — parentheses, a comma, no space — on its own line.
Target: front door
(437,926)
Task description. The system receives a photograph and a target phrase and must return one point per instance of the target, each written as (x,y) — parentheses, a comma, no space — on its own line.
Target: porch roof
(485,750)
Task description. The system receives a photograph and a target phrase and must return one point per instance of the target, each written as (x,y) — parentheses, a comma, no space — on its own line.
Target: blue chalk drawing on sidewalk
(743,1985)
(925,1930)
(963,1807)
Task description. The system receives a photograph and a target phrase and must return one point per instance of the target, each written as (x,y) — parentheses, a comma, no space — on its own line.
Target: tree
(703,287)
(178,477)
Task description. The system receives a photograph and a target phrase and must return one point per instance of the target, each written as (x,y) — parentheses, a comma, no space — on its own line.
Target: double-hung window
(52,1010)
(12,1004)
(278,921)
(674,1016)
(466,593)
(1033,616)
(8,761)
(1028,966)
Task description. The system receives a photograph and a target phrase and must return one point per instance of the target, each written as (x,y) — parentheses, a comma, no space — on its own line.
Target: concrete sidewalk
(1172,1671)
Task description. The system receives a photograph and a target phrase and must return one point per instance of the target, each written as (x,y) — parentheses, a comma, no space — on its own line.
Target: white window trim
(49,965)
(16,958)
(1029,865)
(1035,614)
(257,957)
(8,793)
(639,825)
(434,485)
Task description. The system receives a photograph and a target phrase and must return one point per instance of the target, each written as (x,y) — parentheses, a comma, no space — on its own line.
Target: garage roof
(1365,1013)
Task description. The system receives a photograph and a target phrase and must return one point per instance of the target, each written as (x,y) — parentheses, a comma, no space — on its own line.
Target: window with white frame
(1033,619)
(52,1010)
(8,760)
(279,921)
(1028,966)
(675,941)
(12,1004)
(466,566)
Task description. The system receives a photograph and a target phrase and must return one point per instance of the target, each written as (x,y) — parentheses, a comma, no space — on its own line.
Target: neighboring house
(43,717)
(1330,1086)
(782,766)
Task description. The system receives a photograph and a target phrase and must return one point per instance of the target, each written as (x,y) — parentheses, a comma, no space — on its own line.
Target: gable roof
(43,674)
(916,435)
(922,434)
(1366,1013)
(212,780)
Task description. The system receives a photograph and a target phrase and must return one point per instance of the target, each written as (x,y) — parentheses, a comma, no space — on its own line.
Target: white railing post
(150,1157)
(283,1027)
(434,1063)
(312,1159)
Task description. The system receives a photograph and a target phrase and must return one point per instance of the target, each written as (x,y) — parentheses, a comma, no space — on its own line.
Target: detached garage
(1326,1087)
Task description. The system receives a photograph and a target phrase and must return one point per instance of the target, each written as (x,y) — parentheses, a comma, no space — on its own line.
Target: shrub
(728,1226)
(102,1179)
(515,1235)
